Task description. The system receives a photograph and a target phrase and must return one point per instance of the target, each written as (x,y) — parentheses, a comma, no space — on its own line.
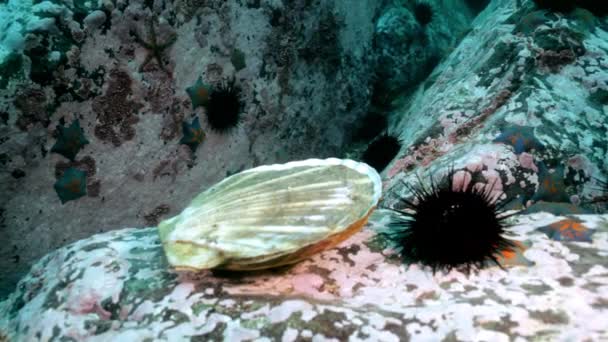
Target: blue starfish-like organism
(551,186)
(71,185)
(154,47)
(193,134)
(521,138)
(69,140)
(199,93)
(514,256)
(568,229)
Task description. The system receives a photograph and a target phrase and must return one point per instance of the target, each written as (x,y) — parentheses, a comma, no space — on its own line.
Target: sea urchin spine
(449,226)
(603,188)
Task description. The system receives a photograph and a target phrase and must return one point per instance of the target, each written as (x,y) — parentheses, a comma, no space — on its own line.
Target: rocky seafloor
(117,286)
(105,87)
(518,103)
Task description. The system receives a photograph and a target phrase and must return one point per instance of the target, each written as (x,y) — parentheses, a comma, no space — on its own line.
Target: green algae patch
(153,289)
(197,308)
(238,59)
(94,246)
(256,323)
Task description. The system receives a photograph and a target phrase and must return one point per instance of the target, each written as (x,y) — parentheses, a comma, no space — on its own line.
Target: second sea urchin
(449,226)
(381,151)
(224,106)
(423,11)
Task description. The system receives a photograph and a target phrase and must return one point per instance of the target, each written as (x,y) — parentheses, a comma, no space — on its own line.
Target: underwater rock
(118,286)
(94,20)
(303,89)
(410,40)
(509,70)
(526,129)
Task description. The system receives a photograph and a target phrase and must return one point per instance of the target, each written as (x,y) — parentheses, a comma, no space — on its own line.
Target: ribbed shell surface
(266,213)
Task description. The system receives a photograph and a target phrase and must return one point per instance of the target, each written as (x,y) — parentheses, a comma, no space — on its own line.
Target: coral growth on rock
(116,111)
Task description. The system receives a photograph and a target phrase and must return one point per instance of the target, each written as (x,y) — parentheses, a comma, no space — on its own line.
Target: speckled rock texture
(407,51)
(132,73)
(519,108)
(116,286)
(122,70)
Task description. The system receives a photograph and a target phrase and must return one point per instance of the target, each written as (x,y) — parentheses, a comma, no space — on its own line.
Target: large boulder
(519,107)
(117,286)
(126,70)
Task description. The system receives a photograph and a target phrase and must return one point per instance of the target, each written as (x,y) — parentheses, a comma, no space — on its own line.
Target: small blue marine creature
(521,138)
(567,229)
(199,93)
(71,185)
(551,186)
(69,140)
(193,134)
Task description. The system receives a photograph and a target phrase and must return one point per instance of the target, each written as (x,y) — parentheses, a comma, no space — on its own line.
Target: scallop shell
(272,215)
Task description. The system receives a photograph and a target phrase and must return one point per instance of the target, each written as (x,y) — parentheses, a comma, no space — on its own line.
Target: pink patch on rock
(493,178)
(461,181)
(400,165)
(86,303)
(526,161)
(575,199)
(581,163)
(474,167)
(308,284)
(491,159)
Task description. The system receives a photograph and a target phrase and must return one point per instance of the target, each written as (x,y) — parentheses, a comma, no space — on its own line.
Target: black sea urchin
(563,6)
(447,227)
(477,5)
(423,12)
(381,151)
(224,107)
(597,7)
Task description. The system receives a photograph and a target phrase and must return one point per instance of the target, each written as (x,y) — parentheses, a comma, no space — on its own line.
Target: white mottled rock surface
(520,105)
(116,286)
